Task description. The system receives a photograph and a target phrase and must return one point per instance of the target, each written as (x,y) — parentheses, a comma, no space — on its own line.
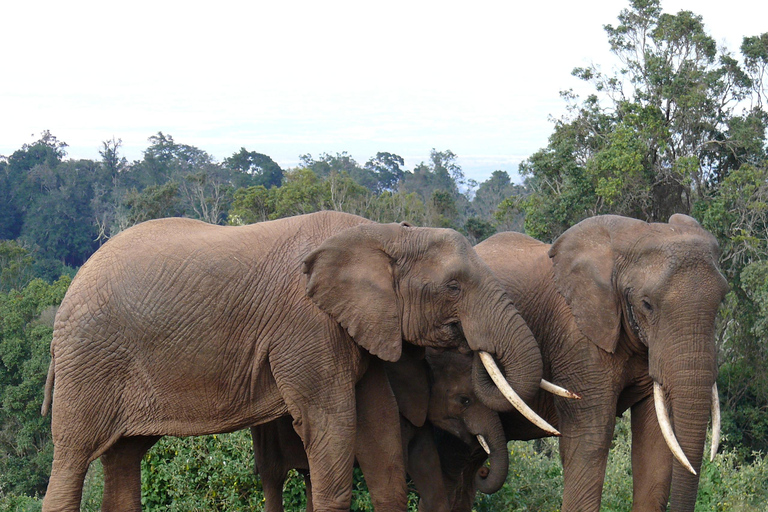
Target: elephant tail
(48,390)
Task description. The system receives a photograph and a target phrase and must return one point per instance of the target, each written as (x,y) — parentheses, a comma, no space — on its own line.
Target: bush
(535,480)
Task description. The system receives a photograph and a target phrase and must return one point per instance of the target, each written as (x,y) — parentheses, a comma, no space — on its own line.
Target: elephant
(435,391)
(178,327)
(624,312)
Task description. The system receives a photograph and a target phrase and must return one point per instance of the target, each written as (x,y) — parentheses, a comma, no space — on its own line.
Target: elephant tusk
(557,390)
(666,427)
(715,422)
(514,398)
(484,444)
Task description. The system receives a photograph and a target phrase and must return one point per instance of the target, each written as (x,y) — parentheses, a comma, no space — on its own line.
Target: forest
(680,127)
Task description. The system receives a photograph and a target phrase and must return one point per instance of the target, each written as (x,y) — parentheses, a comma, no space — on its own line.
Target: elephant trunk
(489,428)
(498,329)
(686,389)
(690,407)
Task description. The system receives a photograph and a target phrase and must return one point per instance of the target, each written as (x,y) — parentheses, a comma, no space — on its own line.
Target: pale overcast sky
(286,78)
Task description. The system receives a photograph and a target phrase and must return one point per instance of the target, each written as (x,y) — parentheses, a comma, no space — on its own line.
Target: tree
(17,192)
(59,221)
(207,194)
(738,216)
(388,170)
(250,168)
(755,51)
(340,163)
(657,136)
(15,266)
(107,190)
(478,229)
(491,193)
(26,450)
(153,202)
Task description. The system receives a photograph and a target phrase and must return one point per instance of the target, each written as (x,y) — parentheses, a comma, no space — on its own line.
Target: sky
(290,78)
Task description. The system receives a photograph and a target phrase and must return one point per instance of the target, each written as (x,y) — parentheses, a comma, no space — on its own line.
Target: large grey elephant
(177,327)
(432,391)
(624,312)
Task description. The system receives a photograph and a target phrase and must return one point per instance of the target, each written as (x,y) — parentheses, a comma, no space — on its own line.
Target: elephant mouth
(662,415)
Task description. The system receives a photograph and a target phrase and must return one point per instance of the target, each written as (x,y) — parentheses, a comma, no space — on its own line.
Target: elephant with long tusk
(177,327)
(624,312)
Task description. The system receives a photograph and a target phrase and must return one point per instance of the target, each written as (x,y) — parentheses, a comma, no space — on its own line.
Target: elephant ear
(350,278)
(409,379)
(583,262)
(679,219)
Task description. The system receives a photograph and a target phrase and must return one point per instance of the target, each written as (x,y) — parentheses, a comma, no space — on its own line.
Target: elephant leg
(276,450)
(65,487)
(424,469)
(584,447)
(308,489)
(329,441)
(324,417)
(378,447)
(122,473)
(651,460)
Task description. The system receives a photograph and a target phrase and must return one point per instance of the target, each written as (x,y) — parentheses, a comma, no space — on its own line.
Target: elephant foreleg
(651,460)
(379,447)
(424,469)
(122,473)
(584,449)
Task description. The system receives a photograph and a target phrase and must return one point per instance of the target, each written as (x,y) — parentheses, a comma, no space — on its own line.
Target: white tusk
(666,427)
(557,390)
(514,398)
(484,444)
(715,422)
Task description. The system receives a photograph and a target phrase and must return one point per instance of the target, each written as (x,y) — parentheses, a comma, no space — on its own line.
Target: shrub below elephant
(623,311)
(452,406)
(177,327)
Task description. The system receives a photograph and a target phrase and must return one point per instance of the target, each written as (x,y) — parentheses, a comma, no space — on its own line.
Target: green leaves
(26,327)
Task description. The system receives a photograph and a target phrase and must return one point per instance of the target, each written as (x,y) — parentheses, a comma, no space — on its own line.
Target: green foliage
(153,202)
(387,168)
(535,480)
(478,229)
(26,327)
(658,135)
(397,207)
(252,169)
(738,216)
(303,191)
(15,265)
(200,473)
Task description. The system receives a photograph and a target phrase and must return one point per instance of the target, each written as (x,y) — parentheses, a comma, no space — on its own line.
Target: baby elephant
(435,390)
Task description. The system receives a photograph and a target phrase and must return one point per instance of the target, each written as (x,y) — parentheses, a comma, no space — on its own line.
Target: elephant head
(389,283)
(454,407)
(659,284)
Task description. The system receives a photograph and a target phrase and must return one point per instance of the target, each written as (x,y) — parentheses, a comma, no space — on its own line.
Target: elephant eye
(647,306)
(453,286)
(465,400)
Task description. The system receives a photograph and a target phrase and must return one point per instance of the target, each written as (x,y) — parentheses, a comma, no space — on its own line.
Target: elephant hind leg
(122,473)
(65,487)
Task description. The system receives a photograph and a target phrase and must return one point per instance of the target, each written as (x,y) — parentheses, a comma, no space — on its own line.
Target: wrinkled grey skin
(615,304)
(177,327)
(452,406)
